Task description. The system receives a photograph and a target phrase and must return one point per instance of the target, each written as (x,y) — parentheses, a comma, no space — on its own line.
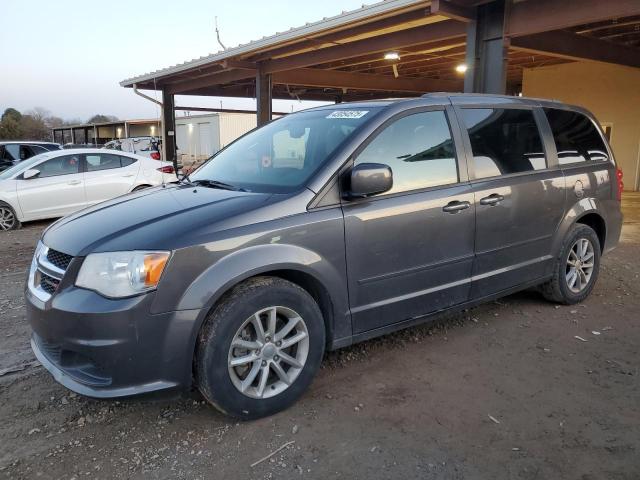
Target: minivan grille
(59,259)
(48,283)
(47,271)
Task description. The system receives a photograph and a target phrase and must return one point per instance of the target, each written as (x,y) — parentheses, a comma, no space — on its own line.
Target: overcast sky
(69,56)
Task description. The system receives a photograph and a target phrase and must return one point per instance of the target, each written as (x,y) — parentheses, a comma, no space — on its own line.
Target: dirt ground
(505,390)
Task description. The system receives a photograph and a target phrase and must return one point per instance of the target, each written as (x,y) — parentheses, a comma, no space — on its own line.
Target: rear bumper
(111,348)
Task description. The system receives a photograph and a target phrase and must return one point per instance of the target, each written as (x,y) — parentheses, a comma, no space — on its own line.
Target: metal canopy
(343,57)
(399,48)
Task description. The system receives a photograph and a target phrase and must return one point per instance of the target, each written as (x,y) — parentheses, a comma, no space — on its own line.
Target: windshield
(22,166)
(283,155)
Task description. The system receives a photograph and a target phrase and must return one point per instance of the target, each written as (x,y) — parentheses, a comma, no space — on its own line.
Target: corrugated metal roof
(326,23)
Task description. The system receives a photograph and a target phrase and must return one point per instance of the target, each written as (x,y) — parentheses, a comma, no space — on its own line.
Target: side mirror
(370,179)
(31,173)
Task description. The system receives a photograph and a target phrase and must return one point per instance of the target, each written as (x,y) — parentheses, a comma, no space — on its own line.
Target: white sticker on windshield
(348,114)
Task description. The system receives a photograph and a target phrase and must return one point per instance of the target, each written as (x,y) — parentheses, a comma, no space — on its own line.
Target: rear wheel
(260,348)
(8,218)
(577,267)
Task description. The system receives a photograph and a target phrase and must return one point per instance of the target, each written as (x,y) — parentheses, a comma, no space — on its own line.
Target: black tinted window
(101,161)
(38,149)
(27,151)
(65,165)
(576,137)
(126,161)
(503,141)
(418,148)
(51,148)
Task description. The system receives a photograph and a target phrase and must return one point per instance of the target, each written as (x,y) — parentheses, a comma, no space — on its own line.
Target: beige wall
(144,129)
(611,92)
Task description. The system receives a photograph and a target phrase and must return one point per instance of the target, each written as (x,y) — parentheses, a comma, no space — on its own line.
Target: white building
(200,136)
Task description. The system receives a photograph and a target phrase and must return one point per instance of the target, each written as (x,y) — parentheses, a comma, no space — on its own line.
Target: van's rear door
(518,192)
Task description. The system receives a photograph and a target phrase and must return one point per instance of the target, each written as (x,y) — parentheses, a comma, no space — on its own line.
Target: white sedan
(55,184)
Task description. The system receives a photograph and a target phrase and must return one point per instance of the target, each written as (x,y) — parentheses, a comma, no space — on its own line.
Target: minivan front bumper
(111,348)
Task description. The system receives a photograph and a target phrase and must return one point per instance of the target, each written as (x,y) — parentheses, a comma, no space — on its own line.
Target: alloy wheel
(7,218)
(268,352)
(580,263)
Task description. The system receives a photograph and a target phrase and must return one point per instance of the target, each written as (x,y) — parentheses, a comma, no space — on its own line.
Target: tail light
(167,169)
(155,155)
(620,183)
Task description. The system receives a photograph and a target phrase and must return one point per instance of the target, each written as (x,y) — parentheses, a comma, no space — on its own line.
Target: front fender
(212,283)
(207,288)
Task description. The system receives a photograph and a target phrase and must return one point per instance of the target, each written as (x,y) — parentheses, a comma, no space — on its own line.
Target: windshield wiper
(217,184)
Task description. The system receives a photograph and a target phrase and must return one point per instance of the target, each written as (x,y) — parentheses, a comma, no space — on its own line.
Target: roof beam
(210,80)
(578,47)
(537,16)
(403,38)
(453,11)
(432,49)
(335,37)
(313,77)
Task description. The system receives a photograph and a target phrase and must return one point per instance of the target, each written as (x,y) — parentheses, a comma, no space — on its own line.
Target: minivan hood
(152,219)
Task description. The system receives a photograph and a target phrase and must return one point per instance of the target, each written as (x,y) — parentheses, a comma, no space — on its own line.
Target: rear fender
(573,215)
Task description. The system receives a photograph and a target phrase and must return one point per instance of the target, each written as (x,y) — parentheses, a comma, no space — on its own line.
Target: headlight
(122,274)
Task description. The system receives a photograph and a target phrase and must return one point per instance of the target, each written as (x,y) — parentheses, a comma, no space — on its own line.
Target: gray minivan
(320,229)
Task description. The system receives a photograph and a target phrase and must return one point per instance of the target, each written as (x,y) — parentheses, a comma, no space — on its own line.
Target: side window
(418,148)
(26,152)
(503,141)
(12,151)
(64,165)
(577,138)
(38,149)
(126,161)
(101,161)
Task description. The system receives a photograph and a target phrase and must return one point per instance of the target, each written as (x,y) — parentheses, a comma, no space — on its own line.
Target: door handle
(128,175)
(455,206)
(492,199)
(74,182)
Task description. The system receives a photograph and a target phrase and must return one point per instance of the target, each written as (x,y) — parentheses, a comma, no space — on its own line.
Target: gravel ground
(505,390)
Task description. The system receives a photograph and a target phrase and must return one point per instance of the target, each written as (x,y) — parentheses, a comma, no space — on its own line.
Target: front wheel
(8,218)
(260,348)
(577,267)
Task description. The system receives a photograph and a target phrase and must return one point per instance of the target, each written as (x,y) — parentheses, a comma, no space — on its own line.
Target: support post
(487,49)
(169,147)
(263,97)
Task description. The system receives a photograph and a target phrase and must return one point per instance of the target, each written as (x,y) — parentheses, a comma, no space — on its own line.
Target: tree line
(36,124)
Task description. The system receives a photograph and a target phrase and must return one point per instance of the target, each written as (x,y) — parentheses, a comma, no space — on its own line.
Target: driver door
(56,191)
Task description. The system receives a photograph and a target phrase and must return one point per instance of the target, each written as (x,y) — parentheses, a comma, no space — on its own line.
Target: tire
(8,217)
(235,318)
(559,288)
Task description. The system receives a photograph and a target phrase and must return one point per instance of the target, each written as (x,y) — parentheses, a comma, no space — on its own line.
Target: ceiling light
(461,68)
(392,56)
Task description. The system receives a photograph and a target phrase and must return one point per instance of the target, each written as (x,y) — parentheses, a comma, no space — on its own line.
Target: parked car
(12,153)
(61,182)
(145,146)
(323,228)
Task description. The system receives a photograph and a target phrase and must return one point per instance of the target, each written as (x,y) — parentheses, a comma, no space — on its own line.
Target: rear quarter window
(576,137)
(126,161)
